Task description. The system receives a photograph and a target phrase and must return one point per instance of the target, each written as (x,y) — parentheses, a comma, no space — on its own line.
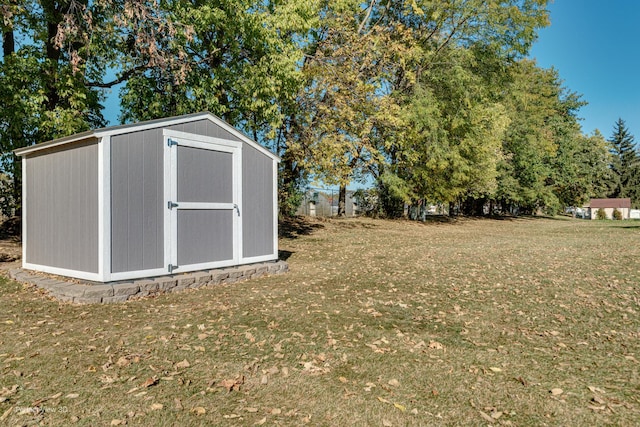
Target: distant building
(609,205)
(323,202)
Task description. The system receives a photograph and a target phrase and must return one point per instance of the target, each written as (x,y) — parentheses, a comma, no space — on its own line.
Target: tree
(52,81)
(238,59)
(581,168)
(345,101)
(624,162)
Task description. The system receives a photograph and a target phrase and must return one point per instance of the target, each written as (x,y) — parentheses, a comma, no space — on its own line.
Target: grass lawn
(389,323)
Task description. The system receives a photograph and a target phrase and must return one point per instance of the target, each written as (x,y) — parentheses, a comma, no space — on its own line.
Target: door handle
(235,206)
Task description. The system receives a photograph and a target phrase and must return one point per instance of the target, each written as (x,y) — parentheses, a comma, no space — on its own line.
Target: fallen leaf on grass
(400,407)
(556,391)
(260,422)
(596,389)
(157,406)
(149,382)
(184,364)
(394,382)
(5,393)
(436,345)
(177,403)
(230,384)
(122,362)
(487,417)
(494,369)
(252,410)
(72,396)
(118,422)
(6,414)
(198,410)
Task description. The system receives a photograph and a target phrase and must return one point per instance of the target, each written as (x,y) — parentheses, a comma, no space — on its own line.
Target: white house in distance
(609,205)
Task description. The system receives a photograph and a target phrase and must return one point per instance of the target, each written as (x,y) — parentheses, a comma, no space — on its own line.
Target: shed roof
(149,124)
(610,203)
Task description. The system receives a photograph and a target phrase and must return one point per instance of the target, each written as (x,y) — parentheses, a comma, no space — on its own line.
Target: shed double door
(204,212)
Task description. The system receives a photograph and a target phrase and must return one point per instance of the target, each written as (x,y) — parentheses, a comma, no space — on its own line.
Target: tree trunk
(54,17)
(8,44)
(342,201)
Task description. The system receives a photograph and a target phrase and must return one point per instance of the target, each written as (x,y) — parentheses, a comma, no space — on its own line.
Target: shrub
(617,214)
(601,214)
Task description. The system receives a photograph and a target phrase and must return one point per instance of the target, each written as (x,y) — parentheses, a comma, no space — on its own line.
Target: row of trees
(430,100)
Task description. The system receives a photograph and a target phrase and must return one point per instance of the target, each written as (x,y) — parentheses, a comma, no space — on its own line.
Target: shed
(147,199)
(623,205)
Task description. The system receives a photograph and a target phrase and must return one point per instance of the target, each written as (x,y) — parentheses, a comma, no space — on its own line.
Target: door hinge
(171,142)
(171,267)
(171,205)
(235,206)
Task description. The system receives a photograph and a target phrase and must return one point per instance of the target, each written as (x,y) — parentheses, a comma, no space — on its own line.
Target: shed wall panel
(204,175)
(204,236)
(137,201)
(206,128)
(62,207)
(257,203)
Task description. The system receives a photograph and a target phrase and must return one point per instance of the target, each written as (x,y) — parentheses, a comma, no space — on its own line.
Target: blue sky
(595,47)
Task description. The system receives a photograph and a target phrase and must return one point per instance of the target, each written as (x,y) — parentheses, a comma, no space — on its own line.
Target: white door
(203,202)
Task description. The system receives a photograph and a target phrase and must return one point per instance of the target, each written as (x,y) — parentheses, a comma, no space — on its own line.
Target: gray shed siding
(137,200)
(62,207)
(204,236)
(206,128)
(204,176)
(257,203)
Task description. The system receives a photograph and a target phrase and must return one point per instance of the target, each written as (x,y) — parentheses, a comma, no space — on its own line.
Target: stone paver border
(98,293)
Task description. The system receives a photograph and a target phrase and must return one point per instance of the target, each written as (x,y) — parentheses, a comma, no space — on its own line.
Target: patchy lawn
(470,322)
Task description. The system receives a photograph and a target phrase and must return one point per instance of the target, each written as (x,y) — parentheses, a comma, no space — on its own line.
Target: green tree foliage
(581,169)
(624,163)
(617,215)
(431,99)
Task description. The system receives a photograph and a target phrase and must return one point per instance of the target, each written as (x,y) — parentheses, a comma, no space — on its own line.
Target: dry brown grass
(471,322)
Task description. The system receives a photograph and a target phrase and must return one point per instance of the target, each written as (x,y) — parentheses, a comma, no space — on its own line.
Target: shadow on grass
(11,229)
(284,255)
(444,219)
(292,228)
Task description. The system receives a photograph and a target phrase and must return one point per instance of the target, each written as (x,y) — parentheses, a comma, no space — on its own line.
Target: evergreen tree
(624,162)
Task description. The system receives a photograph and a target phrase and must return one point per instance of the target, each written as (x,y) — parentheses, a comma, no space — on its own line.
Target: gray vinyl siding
(206,128)
(204,236)
(62,207)
(137,201)
(257,203)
